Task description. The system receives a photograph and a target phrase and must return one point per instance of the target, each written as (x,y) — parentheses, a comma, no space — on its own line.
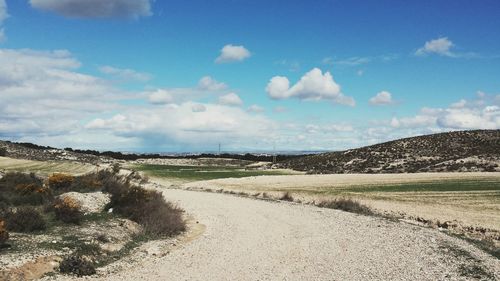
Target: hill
(462,151)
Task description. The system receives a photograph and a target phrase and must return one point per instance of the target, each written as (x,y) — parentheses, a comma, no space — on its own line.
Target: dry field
(471,199)
(45,167)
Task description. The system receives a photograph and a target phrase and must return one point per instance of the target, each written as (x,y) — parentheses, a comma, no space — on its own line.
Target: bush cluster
(77,265)
(67,210)
(286,197)
(347,205)
(60,181)
(23,189)
(25,219)
(4,235)
(148,208)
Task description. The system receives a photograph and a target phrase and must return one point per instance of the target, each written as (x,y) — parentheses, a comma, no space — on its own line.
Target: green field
(435,186)
(198,173)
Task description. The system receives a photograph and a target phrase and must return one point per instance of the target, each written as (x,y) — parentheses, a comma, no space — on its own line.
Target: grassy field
(199,173)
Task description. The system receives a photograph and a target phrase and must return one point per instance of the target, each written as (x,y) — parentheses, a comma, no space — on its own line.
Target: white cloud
(3,16)
(440,46)
(41,93)
(255,108)
(180,125)
(198,107)
(96,8)
(125,73)
(231,99)
(482,113)
(160,96)
(232,53)
(314,85)
(382,98)
(207,83)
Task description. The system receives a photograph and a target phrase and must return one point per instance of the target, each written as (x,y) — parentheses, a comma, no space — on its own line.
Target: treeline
(134,156)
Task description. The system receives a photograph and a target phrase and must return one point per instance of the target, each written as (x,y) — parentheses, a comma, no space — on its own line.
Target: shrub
(86,183)
(286,197)
(159,217)
(10,180)
(149,209)
(347,205)
(3,151)
(25,219)
(60,181)
(31,194)
(68,210)
(77,265)
(115,168)
(4,235)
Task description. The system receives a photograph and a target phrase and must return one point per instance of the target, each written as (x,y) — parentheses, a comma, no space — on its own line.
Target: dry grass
(347,205)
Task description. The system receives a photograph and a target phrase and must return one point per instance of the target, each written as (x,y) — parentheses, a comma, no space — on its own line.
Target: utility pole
(274,153)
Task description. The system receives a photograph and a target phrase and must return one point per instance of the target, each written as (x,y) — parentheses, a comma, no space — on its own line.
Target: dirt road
(249,239)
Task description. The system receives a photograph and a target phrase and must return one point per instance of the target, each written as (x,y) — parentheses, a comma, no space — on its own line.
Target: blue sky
(299,75)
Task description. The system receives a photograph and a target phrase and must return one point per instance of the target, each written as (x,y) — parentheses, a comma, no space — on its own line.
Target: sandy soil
(249,239)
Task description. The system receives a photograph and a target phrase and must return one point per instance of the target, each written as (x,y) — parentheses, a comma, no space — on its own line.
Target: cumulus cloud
(314,85)
(231,99)
(440,46)
(3,17)
(96,8)
(382,98)
(208,83)
(125,74)
(255,108)
(160,96)
(481,113)
(232,53)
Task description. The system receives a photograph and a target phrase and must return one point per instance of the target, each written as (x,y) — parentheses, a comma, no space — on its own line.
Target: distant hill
(463,151)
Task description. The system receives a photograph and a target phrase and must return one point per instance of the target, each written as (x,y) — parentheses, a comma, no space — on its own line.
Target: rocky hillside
(464,151)
(41,153)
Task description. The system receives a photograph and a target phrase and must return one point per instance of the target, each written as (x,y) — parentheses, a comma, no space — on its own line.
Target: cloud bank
(96,8)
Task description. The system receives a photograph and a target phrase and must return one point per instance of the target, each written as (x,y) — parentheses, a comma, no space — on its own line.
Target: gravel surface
(248,239)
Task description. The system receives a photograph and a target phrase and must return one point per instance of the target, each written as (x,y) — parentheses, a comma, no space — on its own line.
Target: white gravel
(248,239)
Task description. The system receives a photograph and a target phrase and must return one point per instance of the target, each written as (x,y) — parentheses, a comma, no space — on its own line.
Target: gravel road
(248,239)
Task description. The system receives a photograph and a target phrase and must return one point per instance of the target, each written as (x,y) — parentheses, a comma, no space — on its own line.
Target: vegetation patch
(149,209)
(4,235)
(195,173)
(77,265)
(347,205)
(68,210)
(435,186)
(286,197)
(25,219)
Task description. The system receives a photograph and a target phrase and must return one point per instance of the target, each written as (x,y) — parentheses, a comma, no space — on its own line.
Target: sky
(261,75)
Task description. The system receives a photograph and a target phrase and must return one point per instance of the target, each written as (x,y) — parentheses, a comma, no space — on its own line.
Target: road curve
(247,239)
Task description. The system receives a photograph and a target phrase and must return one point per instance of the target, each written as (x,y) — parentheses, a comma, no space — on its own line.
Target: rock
(93,202)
